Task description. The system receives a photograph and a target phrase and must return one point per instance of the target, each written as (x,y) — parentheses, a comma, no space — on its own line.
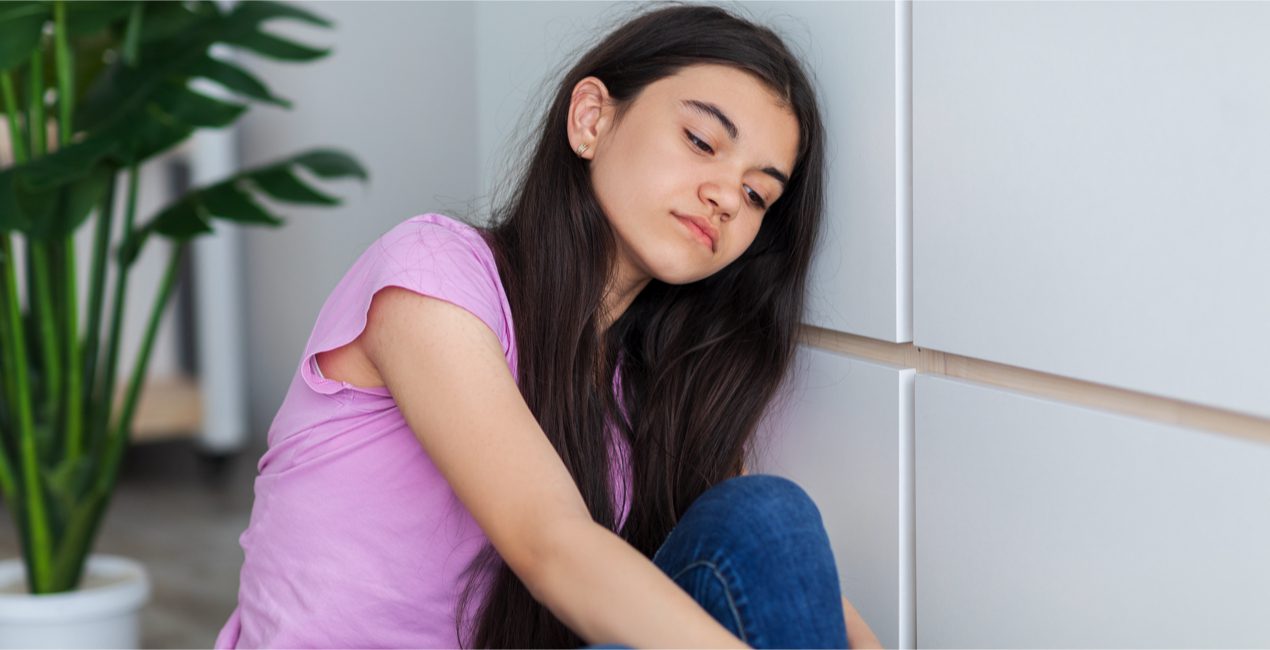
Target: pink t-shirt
(356,539)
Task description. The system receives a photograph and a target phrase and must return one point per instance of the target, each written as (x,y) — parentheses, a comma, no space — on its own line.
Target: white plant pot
(105,612)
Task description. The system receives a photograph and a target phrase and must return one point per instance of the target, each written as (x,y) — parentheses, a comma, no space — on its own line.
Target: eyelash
(757,200)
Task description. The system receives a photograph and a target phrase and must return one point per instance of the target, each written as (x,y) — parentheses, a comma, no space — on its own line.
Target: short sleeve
(430,254)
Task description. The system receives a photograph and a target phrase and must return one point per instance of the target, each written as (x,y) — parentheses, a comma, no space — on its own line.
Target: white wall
(1106,164)
(1043,525)
(523,49)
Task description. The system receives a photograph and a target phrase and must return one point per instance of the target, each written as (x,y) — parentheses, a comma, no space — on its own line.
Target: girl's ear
(589,117)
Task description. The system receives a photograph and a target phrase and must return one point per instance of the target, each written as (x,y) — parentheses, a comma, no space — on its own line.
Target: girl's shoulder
(431,254)
(425,234)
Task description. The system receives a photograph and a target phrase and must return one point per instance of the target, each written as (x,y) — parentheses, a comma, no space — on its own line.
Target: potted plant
(90,91)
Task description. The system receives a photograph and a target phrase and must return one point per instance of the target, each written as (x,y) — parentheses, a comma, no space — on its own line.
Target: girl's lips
(697,232)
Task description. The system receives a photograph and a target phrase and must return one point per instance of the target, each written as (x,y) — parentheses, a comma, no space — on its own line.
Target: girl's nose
(723,204)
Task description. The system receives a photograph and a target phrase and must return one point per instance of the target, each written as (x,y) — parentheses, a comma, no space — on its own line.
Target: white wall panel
(1042,524)
(858,52)
(843,431)
(1089,192)
(522,51)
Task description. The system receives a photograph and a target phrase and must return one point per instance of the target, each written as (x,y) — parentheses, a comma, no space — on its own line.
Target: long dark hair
(699,362)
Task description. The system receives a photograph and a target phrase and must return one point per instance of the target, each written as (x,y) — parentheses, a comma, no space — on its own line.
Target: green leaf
(329,163)
(191,215)
(283,185)
(72,204)
(22,24)
(258,11)
(52,195)
(64,165)
(235,79)
(172,115)
(117,95)
(89,52)
(92,17)
(139,140)
(123,99)
(195,109)
(11,216)
(49,213)
(166,20)
(225,201)
(131,246)
(121,93)
(276,47)
(183,220)
(35,206)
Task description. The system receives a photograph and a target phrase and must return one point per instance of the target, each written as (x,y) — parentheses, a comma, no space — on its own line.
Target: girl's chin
(683,275)
(680,262)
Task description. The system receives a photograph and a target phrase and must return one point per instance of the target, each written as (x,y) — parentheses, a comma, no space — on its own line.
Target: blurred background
(1032,399)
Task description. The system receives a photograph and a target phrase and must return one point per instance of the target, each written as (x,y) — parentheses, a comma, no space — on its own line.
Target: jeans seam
(718,575)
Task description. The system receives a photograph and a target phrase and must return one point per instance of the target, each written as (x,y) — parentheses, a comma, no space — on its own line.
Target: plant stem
(8,489)
(119,435)
(85,519)
(43,311)
(65,74)
(101,418)
(7,484)
(36,102)
(70,290)
(37,253)
(37,546)
(96,295)
(11,113)
(37,519)
(77,539)
(74,369)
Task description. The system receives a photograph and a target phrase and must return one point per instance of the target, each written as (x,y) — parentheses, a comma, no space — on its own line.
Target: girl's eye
(698,142)
(756,199)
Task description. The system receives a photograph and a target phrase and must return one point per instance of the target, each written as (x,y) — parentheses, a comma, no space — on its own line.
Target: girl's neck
(621,291)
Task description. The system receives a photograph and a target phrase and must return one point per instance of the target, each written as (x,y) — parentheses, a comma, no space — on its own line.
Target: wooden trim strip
(1074,391)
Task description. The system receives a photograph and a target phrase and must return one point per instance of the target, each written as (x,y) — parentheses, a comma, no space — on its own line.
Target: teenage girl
(535,434)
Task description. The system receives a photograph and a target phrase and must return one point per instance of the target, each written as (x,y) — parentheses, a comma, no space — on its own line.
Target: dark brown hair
(699,362)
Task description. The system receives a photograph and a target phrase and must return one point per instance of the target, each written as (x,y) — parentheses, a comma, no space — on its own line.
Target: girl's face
(687,175)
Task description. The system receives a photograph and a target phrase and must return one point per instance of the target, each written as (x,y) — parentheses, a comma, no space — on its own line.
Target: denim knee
(763,497)
(763,539)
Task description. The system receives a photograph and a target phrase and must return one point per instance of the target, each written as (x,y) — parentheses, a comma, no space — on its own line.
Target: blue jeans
(753,552)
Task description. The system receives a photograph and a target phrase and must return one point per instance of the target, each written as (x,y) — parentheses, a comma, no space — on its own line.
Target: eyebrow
(706,108)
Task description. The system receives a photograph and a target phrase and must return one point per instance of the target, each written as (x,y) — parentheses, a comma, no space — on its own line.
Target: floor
(180,513)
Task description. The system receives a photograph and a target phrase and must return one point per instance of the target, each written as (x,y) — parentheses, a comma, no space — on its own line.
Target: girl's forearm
(606,591)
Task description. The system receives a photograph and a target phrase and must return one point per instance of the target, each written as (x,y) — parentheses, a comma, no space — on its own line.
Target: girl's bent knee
(763,495)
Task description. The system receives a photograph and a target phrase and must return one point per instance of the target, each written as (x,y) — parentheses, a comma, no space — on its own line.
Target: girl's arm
(446,371)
